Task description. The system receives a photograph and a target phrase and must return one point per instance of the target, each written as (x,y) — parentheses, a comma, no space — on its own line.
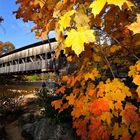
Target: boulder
(43,130)
(28,131)
(26,118)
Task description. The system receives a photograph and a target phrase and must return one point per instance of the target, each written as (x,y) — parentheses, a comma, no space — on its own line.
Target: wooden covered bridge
(38,57)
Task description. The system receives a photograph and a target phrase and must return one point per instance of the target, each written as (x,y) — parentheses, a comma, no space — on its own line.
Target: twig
(107,62)
(134,55)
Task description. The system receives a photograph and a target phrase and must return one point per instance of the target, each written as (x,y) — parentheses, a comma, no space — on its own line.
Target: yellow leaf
(44,35)
(125,132)
(71,99)
(81,18)
(116,132)
(92,75)
(114,48)
(106,117)
(90,90)
(116,90)
(65,20)
(119,2)
(132,71)
(77,38)
(41,4)
(97,58)
(97,6)
(136,79)
(135,27)
(69,59)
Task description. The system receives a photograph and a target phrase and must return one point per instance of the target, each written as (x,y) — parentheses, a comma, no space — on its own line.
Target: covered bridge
(37,57)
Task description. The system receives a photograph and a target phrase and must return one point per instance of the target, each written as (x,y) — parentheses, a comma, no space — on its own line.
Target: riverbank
(11,122)
(31,124)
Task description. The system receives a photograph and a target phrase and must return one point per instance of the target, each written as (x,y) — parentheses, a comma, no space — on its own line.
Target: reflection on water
(13,98)
(23,88)
(17,89)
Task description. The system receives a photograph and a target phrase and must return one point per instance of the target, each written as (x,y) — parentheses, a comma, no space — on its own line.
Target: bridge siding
(17,62)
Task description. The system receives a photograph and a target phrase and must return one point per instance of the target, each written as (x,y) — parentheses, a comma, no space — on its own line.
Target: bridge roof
(30,46)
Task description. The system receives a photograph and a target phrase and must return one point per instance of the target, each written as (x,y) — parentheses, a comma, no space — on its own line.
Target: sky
(15,30)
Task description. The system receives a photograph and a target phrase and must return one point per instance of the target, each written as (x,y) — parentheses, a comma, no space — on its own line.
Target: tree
(102,42)
(6,47)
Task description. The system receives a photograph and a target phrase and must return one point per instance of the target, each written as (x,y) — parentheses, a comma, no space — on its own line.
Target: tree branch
(107,62)
(133,54)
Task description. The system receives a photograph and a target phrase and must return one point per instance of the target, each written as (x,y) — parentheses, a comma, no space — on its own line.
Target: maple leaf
(95,123)
(65,20)
(77,112)
(81,127)
(97,6)
(134,127)
(97,58)
(120,2)
(114,48)
(125,132)
(106,117)
(40,2)
(90,90)
(81,18)
(98,106)
(77,38)
(65,78)
(92,75)
(116,90)
(71,99)
(135,27)
(129,114)
(56,104)
(61,90)
(63,107)
(136,79)
(97,131)
(117,131)
(132,71)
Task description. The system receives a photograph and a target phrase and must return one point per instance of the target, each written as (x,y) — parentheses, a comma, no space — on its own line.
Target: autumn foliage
(101,39)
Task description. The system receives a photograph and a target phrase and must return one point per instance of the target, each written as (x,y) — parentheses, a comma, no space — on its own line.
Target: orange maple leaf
(56,104)
(90,90)
(98,106)
(61,90)
(64,106)
(129,114)
(96,131)
(80,124)
(65,78)
(136,79)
